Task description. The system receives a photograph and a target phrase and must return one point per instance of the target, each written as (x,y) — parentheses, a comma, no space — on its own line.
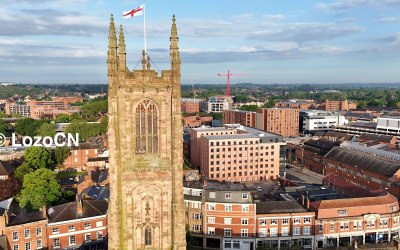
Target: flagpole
(144,28)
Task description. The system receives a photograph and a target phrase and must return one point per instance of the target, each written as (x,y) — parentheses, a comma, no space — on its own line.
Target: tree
(29,126)
(84,129)
(3,115)
(249,108)
(9,188)
(23,170)
(39,188)
(38,157)
(104,125)
(3,127)
(60,154)
(47,129)
(91,109)
(63,118)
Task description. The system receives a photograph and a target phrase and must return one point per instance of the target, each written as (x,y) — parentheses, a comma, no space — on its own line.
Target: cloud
(49,22)
(389,19)
(343,5)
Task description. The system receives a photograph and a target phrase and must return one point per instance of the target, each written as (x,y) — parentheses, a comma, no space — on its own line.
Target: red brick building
(296,104)
(190,105)
(245,118)
(281,121)
(79,155)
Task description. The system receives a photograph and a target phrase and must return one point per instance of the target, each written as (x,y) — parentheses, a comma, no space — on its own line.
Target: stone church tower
(145,143)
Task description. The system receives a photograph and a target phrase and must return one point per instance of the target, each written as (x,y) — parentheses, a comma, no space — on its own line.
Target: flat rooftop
(278,207)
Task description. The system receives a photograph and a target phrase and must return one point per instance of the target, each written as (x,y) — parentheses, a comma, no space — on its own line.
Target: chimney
(79,207)
(308,204)
(44,212)
(302,200)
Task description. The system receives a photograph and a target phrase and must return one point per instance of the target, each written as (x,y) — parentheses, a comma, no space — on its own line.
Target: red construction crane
(228,81)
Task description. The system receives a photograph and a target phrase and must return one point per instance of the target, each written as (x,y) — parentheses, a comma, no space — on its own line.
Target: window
(228,232)
(245,208)
(196,216)
(383,222)
(56,242)
(227,244)
(393,208)
(263,232)
(99,234)
(147,236)
(296,231)
(211,220)
(196,227)
(244,232)
(99,224)
(71,228)
(307,220)
(72,240)
(27,233)
(228,196)
(228,208)
(320,227)
(273,232)
(245,196)
(274,221)
(211,230)
(285,221)
(56,230)
(296,221)
(27,246)
(227,221)
(245,221)
(16,247)
(211,207)
(88,237)
(306,231)
(39,244)
(285,231)
(38,231)
(15,235)
(342,212)
(88,225)
(263,222)
(332,227)
(146,127)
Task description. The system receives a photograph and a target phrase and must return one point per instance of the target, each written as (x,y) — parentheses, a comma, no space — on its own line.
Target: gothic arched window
(147,236)
(146,127)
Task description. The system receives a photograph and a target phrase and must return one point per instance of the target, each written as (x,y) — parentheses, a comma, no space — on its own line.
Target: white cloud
(342,5)
(389,19)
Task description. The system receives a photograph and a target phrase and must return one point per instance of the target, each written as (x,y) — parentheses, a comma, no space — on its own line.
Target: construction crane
(228,81)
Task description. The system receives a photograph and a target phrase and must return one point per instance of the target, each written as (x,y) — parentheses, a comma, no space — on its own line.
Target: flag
(135,12)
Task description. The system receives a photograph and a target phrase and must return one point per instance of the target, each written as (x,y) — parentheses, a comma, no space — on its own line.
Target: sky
(267,41)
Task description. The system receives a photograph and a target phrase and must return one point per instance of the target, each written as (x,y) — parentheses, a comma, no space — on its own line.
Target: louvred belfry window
(146,127)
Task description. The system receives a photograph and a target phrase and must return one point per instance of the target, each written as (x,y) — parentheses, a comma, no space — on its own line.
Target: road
(306,176)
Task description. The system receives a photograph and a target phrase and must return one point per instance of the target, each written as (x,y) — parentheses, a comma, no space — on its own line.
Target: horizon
(330,42)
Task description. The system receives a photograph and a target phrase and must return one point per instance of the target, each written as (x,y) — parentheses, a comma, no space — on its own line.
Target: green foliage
(104,125)
(189,239)
(29,126)
(23,170)
(3,127)
(47,129)
(63,118)
(249,108)
(39,188)
(64,175)
(38,157)
(84,129)
(60,154)
(3,115)
(216,116)
(91,109)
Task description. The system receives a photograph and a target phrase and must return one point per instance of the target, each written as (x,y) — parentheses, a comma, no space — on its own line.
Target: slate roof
(383,199)
(375,137)
(8,167)
(277,207)
(368,162)
(99,176)
(320,146)
(68,211)
(25,217)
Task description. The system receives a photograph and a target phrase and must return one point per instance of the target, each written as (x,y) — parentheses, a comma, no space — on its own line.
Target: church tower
(145,146)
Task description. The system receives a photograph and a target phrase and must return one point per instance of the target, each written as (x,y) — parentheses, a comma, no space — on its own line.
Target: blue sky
(285,41)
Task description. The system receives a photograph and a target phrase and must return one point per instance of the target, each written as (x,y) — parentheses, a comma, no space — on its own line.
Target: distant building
(217,104)
(297,104)
(79,155)
(194,121)
(237,153)
(389,124)
(191,105)
(282,121)
(345,105)
(312,121)
(245,118)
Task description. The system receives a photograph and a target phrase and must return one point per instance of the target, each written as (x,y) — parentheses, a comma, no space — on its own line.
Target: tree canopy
(39,188)
(47,129)
(60,154)
(29,126)
(38,157)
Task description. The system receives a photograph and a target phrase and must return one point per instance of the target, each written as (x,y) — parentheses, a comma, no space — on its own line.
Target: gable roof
(373,163)
(7,167)
(69,211)
(375,137)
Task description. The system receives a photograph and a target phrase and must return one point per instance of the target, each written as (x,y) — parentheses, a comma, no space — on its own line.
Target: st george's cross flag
(135,12)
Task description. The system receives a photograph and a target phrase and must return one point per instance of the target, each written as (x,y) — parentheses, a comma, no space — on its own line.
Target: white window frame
(15,236)
(227,232)
(39,244)
(72,240)
(56,242)
(211,220)
(211,230)
(273,232)
(228,208)
(27,233)
(88,235)
(244,232)
(227,221)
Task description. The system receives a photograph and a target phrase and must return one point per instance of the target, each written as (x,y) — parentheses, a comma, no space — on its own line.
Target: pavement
(296,174)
